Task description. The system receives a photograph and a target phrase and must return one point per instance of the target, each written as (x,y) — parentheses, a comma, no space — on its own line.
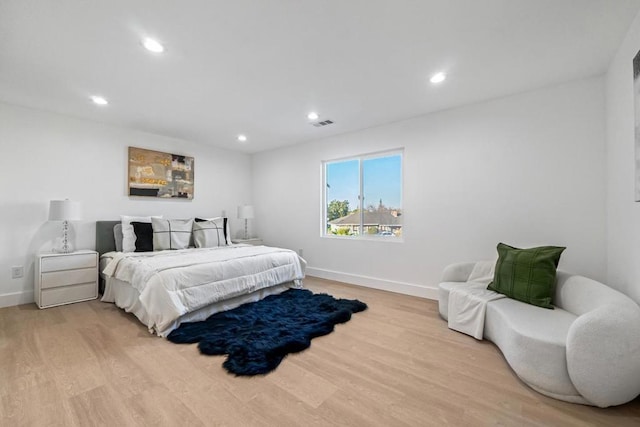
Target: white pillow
(210,233)
(226,222)
(171,233)
(128,235)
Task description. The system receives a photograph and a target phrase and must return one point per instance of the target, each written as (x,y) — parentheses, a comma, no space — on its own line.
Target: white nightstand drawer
(65,278)
(68,262)
(57,296)
(68,277)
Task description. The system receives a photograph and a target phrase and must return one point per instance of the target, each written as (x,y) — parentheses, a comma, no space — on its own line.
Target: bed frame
(105,242)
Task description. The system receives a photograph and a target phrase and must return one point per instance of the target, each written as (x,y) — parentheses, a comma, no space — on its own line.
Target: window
(363,196)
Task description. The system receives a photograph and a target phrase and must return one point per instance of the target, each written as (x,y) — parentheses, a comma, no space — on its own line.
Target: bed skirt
(128,298)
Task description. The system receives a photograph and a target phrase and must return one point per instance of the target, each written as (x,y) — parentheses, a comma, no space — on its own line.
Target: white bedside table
(65,278)
(255,241)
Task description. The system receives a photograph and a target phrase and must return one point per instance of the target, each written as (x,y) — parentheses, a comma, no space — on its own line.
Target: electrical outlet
(17,272)
(301,253)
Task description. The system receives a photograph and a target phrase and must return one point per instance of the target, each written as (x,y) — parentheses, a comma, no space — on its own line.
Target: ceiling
(257,67)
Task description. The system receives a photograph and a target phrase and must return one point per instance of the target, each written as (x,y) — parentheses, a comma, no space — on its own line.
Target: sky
(382,180)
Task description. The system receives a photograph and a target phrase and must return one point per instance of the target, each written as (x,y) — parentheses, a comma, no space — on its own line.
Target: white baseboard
(16,298)
(372,282)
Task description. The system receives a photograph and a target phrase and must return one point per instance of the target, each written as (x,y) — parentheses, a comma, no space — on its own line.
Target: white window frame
(361,203)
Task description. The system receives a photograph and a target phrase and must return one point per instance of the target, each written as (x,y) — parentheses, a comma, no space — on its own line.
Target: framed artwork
(158,174)
(636,101)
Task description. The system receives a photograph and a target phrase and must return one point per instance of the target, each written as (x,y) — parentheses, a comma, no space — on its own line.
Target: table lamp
(245,212)
(65,211)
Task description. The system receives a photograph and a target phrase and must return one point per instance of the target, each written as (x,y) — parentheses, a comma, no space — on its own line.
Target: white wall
(47,156)
(525,170)
(623,214)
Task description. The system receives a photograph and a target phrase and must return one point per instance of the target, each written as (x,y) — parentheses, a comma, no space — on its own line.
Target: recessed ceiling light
(438,78)
(99,100)
(313,115)
(152,45)
(242,138)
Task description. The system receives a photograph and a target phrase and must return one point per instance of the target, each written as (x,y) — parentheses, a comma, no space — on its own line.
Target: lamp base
(66,245)
(63,250)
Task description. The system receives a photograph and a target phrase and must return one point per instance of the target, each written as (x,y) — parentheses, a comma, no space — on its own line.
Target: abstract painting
(158,174)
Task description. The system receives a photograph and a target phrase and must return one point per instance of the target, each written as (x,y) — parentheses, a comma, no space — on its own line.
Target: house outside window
(362,196)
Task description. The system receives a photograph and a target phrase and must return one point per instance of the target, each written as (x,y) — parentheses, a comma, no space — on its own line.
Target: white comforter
(173,283)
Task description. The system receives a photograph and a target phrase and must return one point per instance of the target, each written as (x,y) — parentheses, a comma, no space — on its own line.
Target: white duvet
(173,283)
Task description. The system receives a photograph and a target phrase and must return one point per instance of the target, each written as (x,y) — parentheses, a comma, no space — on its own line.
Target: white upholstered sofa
(586,350)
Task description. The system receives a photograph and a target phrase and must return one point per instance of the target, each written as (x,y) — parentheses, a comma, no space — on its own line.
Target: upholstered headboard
(105,242)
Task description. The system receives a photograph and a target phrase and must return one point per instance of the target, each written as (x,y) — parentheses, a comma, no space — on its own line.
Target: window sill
(386,239)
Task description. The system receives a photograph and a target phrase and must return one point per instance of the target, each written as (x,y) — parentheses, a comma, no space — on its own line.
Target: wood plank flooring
(395,364)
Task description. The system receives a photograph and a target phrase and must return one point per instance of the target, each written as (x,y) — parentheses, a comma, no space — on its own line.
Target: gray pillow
(117,235)
(171,233)
(209,234)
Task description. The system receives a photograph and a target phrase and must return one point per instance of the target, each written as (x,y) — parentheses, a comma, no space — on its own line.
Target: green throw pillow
(527,275)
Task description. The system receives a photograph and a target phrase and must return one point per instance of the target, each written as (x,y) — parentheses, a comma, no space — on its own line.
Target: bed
(166,288)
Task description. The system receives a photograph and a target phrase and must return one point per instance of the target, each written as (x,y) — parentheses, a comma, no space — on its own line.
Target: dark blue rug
(257,336)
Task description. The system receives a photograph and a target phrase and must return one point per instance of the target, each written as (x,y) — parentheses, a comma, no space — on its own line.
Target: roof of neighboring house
(377,217)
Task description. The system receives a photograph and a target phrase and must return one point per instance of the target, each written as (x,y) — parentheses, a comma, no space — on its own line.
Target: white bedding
(170,284)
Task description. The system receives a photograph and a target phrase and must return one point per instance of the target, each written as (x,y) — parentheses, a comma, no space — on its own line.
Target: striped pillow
(171,233)
(527,275)
(210,233)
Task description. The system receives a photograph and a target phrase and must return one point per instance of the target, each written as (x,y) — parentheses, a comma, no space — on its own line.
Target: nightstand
(255,241)
(66,278)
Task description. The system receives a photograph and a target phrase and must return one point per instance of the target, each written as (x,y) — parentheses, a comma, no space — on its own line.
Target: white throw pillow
(171,233)
(210,233)
(226,222)
(128,235)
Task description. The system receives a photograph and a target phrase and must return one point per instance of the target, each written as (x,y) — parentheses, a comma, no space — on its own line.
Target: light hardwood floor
(395,364)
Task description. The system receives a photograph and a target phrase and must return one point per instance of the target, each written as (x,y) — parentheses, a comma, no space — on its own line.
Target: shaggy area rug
(257,336)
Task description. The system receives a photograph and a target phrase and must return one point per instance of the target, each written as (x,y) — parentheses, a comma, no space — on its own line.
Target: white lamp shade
(64,210)
(245,212)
